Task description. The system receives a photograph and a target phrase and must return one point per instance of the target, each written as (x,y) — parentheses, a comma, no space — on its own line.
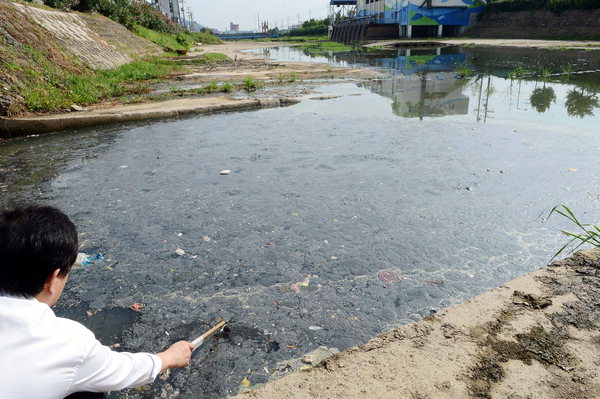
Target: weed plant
(60,92)
(586,233)
(211,87)
(463,71)
(250,84)
(226,87)
(519,73)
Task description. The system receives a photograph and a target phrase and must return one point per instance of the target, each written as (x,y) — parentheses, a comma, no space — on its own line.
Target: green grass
(226,87)
(292,39)
(519,73)
(164,40)
(463,71)
(208,58)
(211,87)
(215,57)
(181,41)
(250,84)
(586,233)
(325,47)
(57,92)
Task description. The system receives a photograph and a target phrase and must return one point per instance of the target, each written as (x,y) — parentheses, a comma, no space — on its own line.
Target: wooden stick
(198,341)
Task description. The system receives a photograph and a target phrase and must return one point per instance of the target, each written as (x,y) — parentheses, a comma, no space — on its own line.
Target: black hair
(34,242)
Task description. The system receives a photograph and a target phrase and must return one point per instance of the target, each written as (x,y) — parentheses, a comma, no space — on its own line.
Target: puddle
(340,218)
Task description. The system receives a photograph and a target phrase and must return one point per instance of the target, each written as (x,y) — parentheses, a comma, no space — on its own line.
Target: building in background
(234,27)
(388,19)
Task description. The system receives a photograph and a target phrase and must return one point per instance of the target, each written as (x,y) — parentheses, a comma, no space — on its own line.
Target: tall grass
(61,92)
(586,233)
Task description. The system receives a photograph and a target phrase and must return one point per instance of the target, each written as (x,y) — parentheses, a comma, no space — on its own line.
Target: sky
(219,13)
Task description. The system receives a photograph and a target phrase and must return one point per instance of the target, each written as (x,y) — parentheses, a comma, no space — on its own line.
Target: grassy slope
(38,75)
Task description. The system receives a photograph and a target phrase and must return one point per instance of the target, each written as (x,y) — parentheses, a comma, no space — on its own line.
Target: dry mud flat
(534,337)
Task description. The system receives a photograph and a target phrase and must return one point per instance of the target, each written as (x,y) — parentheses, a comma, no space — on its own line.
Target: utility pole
(309,15)
(182,22)
(298,20)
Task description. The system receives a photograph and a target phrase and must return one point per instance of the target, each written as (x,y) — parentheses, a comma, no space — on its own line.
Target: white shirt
(47,357)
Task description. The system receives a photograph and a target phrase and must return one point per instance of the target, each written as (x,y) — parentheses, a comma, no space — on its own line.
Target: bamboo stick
(198,341)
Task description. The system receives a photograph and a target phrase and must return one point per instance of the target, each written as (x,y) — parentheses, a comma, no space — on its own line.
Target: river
(339,219)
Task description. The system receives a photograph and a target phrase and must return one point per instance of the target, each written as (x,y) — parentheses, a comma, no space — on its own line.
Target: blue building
(384,19)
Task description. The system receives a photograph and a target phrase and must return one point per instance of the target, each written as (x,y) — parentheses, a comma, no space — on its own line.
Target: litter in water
(388,276)
(136,307)
(180,252)
(86,260)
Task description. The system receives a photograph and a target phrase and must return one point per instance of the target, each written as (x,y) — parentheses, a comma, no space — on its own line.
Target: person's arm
(103,370)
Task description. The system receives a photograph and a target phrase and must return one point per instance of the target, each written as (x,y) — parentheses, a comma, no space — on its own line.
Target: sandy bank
(523,43)
(534,337)
(14,127)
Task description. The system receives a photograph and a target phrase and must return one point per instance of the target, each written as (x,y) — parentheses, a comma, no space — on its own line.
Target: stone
(76,108)
(307,359)
(7,104)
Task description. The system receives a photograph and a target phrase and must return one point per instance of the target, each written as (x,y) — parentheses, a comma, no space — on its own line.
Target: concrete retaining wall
(98,41)
(571,24)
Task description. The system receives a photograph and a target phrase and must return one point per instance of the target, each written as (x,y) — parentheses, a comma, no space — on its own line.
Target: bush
(125,12)
(145,15)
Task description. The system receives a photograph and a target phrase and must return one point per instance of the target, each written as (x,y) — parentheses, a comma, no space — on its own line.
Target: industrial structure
(390,19)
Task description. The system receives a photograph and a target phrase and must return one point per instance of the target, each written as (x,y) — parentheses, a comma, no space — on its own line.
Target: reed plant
(586,233)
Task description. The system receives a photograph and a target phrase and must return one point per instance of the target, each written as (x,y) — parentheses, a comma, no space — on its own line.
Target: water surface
(322,197)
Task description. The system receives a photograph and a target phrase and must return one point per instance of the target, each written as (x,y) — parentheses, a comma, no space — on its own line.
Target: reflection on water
(507,83)
(438,94)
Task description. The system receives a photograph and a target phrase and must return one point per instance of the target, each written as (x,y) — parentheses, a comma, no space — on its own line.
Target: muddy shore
(534,337)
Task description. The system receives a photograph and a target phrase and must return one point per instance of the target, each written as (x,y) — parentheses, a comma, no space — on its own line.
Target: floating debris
(180,252)
(246,382)
(388,276)
(137,307)
(225,172)
(86,260)
(296,286)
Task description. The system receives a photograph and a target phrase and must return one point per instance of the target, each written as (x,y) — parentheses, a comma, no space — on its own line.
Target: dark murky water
(322,197)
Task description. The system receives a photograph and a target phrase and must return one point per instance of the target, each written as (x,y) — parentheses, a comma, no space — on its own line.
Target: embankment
(38,43)
(538,24)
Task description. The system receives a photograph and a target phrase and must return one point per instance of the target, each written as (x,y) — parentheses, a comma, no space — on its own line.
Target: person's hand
(177,355)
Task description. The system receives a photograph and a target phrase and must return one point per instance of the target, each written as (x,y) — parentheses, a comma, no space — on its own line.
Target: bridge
(242,36)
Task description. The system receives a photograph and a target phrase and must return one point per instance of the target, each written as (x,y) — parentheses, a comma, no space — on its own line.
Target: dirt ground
(250,65)
(534,337)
